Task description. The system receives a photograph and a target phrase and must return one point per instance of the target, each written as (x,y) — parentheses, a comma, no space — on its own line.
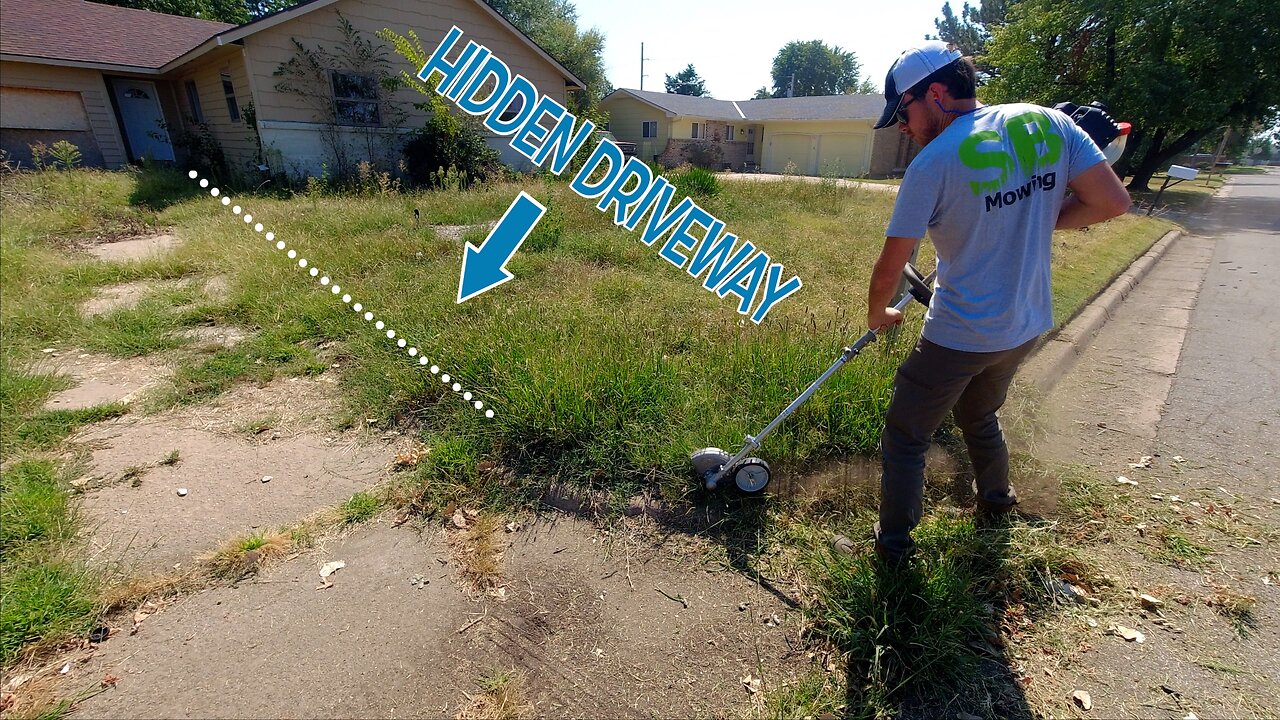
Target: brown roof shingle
(79,31)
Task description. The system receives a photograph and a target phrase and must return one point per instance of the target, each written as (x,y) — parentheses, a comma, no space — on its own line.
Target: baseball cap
(910,68)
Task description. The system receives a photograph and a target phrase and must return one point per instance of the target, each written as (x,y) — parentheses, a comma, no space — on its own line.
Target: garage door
(842,154)
(787,148)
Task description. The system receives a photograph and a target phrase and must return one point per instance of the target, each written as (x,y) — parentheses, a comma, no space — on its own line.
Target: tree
(687,82)
(812,68)
(762,93)
(229,11)
(970,31)
(553,25)
(1178,70)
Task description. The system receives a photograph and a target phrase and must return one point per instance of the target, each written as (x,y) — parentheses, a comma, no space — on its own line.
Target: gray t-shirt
(988,189)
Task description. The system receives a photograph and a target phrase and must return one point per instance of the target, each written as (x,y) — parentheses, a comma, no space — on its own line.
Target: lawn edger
(751,474)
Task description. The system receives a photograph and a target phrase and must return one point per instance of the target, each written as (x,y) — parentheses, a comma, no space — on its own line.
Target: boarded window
(650,129)
(229,90)
(355,100)
(193,101)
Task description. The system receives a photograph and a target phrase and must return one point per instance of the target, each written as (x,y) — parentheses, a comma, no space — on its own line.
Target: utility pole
(791,89)
(642,59)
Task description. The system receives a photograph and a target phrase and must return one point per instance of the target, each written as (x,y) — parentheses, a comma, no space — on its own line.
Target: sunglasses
(902,111)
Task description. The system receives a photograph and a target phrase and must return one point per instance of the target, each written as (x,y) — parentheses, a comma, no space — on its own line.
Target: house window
(193,101)
(650,129)
(512,110)
(728,133)
(697,127)
(233,109)
(355,99)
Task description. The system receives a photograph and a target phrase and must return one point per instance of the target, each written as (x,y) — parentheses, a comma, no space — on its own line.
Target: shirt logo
(1035,144)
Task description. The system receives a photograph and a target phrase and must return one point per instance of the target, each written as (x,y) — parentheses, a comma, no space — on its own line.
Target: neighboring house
(110,79)
(827,135)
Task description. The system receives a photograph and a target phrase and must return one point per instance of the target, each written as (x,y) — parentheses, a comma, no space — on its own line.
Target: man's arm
(884,282)
(1096,195)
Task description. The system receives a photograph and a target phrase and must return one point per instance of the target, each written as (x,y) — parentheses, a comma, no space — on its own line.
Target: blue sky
(732,44)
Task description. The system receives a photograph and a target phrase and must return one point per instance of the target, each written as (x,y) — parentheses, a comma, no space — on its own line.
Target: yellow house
(119,82)
(821,136)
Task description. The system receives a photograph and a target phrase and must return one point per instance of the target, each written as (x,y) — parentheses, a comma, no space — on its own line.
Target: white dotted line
(335,289)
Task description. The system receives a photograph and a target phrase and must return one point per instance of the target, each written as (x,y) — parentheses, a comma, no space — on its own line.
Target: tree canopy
(687,82)
(228,11)
(1178,70)
(969,31)
(553,24)
(806,68)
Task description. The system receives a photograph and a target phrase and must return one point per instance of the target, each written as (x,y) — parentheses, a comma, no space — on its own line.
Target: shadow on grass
(157,188)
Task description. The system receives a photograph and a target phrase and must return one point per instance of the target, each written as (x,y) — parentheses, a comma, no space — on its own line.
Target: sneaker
(994,509)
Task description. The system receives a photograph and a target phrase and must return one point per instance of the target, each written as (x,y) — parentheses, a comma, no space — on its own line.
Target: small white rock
(266,478)
(182,492)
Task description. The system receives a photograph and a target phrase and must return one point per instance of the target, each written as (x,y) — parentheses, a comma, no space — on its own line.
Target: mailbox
(1181,172)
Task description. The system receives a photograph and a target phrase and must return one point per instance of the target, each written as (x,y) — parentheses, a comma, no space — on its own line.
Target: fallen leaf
(513,526)
(459,520)
(138,617)
(1143,462)
(1125,481)
(328,569)
(109,680)
(7,699)
(65,669)
(751,683)
(1083,699)
(1128,633)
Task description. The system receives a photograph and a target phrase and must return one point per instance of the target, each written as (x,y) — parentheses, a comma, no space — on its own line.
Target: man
(990,186)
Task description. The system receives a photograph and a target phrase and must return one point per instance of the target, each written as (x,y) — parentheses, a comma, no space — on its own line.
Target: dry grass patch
(246,554)
(501,697)
(477,547)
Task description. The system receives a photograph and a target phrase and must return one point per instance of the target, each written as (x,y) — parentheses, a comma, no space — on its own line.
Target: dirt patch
(579,618)
(134,248)
(212,337)
(126,295)
(101,379)
(219,454)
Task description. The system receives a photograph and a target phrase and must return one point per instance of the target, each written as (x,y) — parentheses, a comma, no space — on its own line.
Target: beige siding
(626,118)
(88,84)
(292,126)
(236,138)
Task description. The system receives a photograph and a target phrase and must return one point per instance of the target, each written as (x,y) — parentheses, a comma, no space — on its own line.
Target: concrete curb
(1058,354)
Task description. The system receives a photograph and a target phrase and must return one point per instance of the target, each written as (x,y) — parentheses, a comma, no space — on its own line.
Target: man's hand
(884,319)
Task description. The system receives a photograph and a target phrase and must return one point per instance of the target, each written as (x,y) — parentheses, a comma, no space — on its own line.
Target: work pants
(929,383)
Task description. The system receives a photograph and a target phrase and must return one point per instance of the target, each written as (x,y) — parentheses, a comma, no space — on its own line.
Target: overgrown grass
(44,591)
(604,364)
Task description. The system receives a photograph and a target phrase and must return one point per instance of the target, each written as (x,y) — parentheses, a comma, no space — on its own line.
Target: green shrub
(448,145)
(705,154)
(696,183)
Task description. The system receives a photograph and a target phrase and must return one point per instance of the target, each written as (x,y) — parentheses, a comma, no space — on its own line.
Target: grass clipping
(477,548)
(501,697)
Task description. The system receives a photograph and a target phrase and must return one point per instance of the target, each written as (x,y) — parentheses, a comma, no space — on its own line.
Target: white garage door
(787,148)
(842,154)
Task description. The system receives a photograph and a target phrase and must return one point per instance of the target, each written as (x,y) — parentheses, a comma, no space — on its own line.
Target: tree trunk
(1157,156)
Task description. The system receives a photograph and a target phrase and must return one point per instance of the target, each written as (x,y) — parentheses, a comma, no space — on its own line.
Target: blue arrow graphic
(484,267)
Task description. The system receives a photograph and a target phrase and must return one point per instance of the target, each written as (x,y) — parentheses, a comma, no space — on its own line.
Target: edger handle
(921,288)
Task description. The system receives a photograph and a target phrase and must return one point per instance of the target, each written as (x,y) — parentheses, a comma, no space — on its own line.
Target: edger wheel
(751,475)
